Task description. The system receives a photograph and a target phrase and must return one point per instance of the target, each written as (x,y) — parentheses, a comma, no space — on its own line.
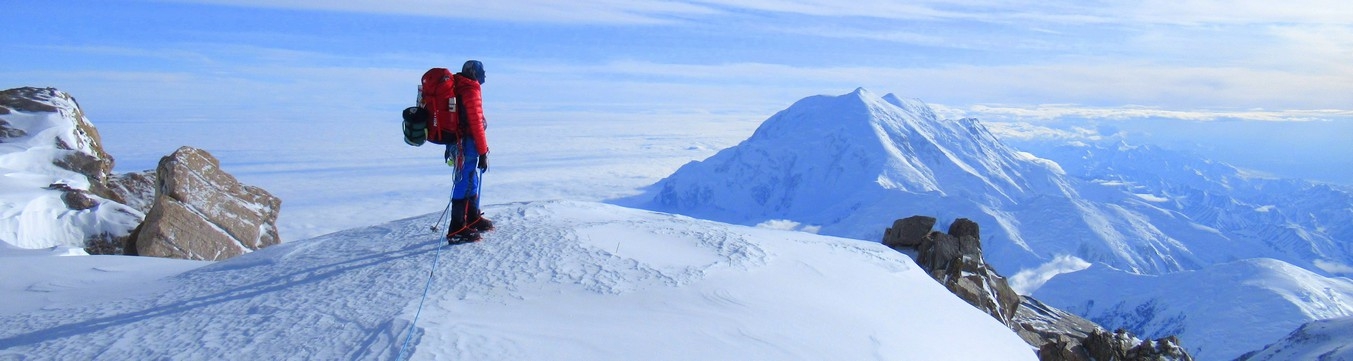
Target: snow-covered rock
(58,190)
(52,192)
(557,280)
(1220,312)
(202,213)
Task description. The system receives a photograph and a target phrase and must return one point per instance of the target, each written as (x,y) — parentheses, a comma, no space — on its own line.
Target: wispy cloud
(584,11)
(1154,12)
(1104,84)
(1057,111)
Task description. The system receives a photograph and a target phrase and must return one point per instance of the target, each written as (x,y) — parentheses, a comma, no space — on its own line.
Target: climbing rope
(426,287)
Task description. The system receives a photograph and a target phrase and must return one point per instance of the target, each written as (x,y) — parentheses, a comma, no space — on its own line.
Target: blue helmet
(473,69)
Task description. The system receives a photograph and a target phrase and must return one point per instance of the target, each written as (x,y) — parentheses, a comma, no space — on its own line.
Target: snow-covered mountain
(1300,222)
(558,280)
(848,165)
(1220,311)
(52,164)
(1318,340)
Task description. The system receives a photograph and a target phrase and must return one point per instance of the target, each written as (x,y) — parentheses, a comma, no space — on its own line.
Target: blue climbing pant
(466,161)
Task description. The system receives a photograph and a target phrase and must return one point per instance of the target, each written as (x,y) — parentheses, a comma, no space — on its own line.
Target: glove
(484,163)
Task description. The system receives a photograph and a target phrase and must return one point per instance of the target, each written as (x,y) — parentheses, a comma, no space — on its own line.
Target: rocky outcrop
(908,232)
(83,148)
(189,208)
(1117,345)
(955,260)
(203,213)
(1040,324)
(51,145)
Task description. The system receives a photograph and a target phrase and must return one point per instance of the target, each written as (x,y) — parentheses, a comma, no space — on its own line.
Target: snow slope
(1220,312)
(1318,340)
(558,280)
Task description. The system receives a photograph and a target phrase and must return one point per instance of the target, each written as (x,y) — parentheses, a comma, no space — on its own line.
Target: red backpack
(437,96)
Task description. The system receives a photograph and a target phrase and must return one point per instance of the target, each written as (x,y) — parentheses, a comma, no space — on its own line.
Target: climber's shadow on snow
(274,279)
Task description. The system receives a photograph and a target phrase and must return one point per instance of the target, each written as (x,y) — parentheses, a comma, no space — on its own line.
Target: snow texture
(559,280)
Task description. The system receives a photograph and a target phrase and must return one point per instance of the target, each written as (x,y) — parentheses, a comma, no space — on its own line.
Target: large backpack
(437,96)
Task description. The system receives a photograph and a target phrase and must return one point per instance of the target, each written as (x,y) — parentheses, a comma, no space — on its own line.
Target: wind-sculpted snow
(46,140)
(556,280)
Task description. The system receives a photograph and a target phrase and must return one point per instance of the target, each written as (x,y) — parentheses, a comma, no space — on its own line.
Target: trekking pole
(449,198)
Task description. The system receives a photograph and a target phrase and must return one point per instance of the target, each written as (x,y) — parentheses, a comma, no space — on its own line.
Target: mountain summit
(849,164)
(838,150)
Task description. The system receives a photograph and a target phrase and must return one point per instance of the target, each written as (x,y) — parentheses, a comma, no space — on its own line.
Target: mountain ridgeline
(850,163)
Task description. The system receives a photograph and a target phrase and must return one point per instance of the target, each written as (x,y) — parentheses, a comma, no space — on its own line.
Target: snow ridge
(556,280)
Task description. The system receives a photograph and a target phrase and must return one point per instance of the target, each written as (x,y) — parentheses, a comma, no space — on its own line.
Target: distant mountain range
(848,165)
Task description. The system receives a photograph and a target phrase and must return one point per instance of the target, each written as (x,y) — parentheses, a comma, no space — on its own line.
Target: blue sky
(1038,61)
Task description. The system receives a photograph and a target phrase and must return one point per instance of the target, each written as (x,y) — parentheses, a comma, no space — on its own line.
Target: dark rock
(964,227)
(8,130)
(26,99)
(1062,348)
(958,264)
(972,280)
(1120,345)
(75,199)
(908,232)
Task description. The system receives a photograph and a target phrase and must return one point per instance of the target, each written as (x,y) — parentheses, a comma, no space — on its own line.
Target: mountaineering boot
(457,231)
(476,218)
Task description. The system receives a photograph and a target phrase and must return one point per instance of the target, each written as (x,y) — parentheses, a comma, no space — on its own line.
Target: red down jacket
(445,121)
